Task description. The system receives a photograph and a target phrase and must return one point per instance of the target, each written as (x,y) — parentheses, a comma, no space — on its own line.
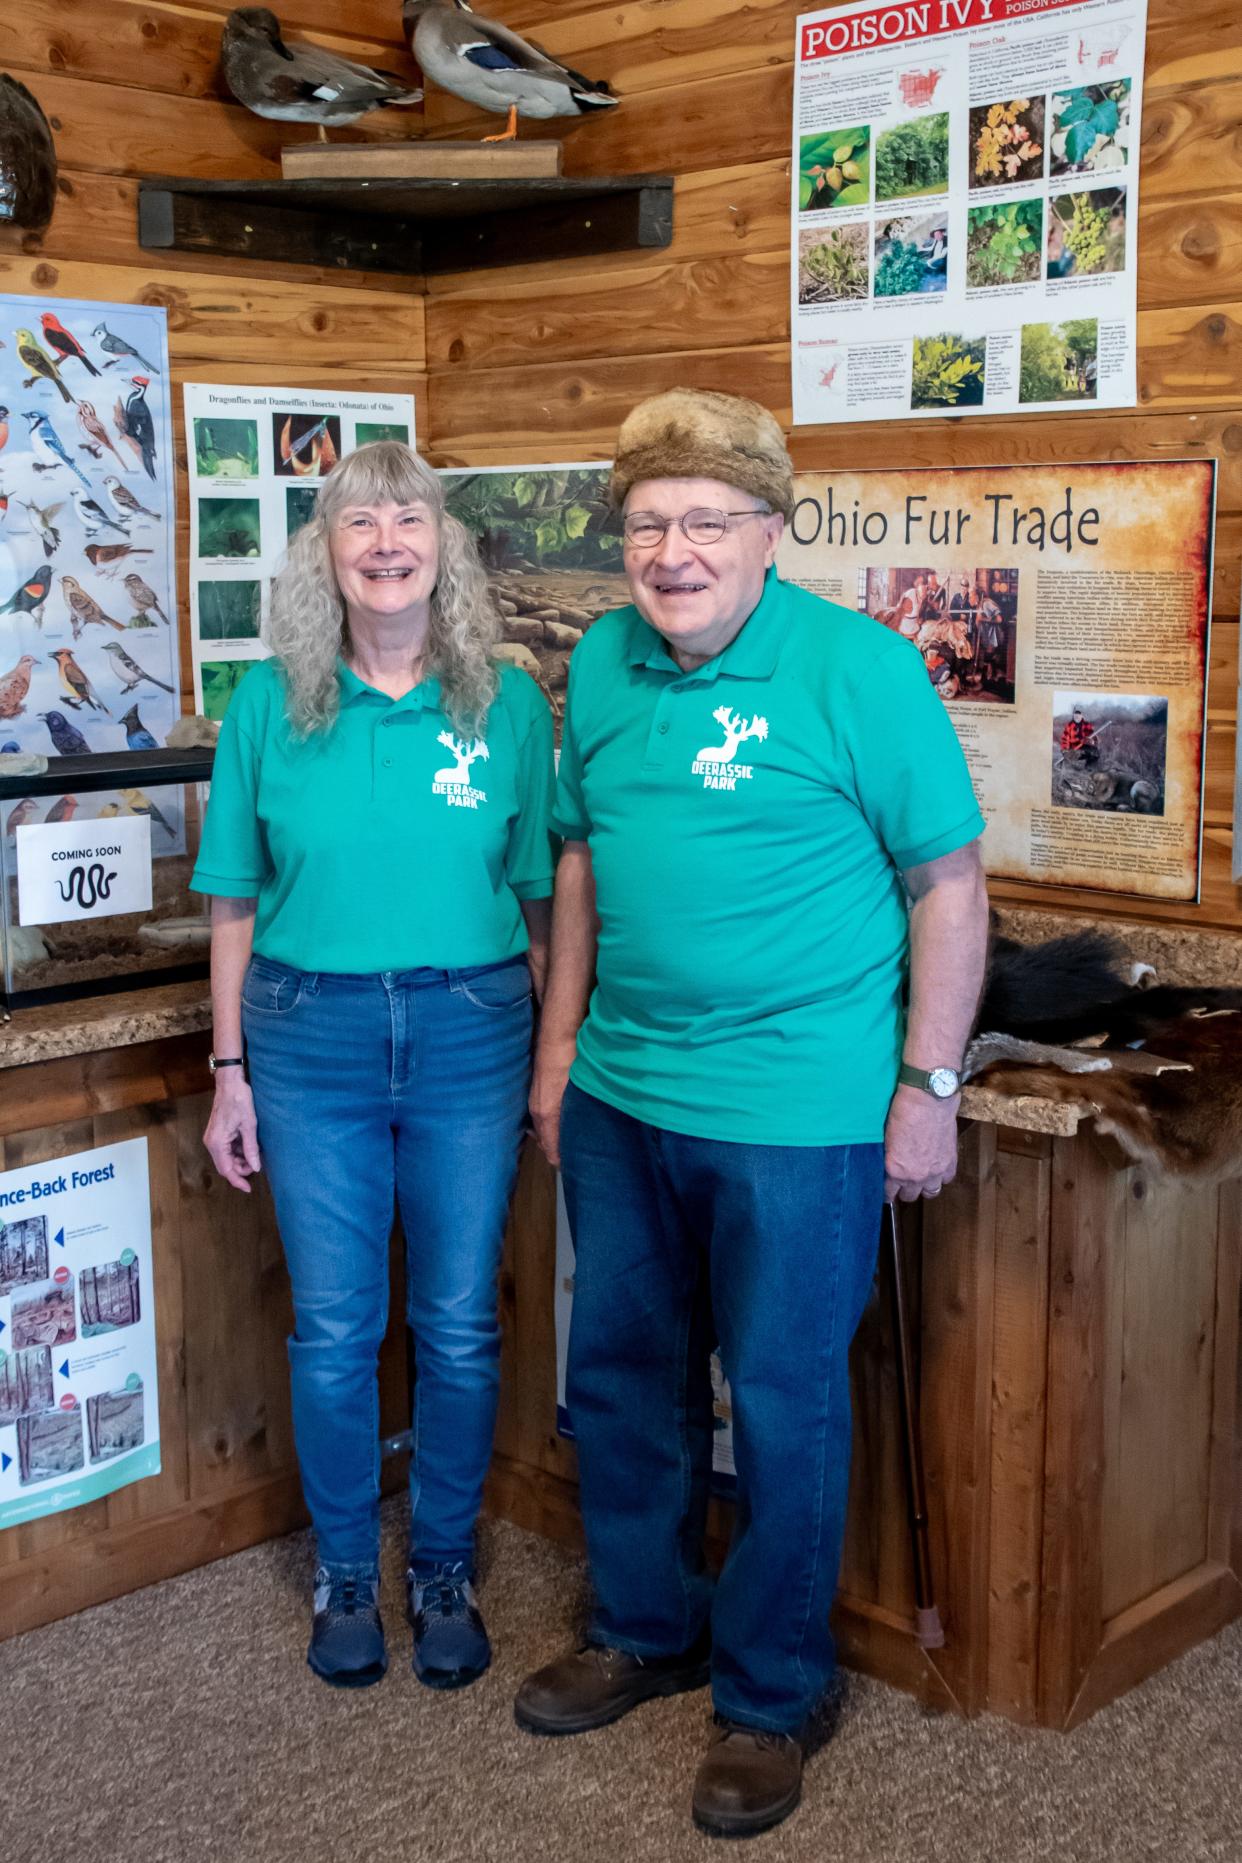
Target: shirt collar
(354,691)
(753,653)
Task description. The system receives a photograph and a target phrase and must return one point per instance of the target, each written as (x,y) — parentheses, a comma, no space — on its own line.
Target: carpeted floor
(181,1725)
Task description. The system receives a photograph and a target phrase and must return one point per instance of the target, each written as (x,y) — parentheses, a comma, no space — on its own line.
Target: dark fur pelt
(27,157)
(1187,1122)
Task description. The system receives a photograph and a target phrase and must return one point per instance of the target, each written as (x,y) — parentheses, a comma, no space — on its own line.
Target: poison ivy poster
(965,208)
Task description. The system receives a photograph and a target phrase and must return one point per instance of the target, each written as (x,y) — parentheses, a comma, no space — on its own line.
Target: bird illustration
(67,740)
(136,734)
(19,816)
(143,596)
(9,747)
(4,503)
(133,422)
(99,555)
(95,430)
(41,524)
(4,428)
(300,82)
(14,685)
(27,157)
(62,810)
(93,515)
(123,500)
(138,804)
(40,366)
(76,687)
(29,596)
(83,608)
(116,349)
(50,449)
(128,670)
(66,345)
(482,61)
(108,810)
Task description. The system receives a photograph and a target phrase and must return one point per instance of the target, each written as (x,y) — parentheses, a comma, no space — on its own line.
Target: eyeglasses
(702,525)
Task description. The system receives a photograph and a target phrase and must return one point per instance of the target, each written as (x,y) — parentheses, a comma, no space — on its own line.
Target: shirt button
(388,763)
(662,729)
(386,721)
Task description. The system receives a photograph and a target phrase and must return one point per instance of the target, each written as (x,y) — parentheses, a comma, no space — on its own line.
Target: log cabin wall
(133,89)
(541,362)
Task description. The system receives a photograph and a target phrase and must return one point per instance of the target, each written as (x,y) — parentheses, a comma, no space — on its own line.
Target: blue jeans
(771,1250)
(409,1084)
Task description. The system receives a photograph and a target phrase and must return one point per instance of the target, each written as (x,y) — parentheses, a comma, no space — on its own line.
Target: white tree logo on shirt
(454,785)
(715,764)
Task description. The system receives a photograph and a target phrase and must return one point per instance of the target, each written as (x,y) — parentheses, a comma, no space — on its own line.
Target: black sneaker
(347,1637)
(451,1647)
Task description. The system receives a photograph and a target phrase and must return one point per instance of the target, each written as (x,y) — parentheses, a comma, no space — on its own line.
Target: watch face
(943,1082)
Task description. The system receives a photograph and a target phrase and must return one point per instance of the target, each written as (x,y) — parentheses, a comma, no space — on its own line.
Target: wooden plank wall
(133,89)
(543,361)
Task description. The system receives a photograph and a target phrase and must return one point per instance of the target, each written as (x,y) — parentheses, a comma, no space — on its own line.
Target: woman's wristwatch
(216,1061)
(941,1082)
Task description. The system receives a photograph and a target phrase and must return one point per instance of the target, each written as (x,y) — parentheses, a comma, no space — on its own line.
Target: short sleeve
(570,817)
(529,860)
(232,860)
(910,773)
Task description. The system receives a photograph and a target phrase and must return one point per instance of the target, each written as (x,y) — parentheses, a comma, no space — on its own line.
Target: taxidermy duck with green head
(483,62)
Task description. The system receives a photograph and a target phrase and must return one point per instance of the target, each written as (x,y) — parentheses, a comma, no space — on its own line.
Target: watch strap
(216,1061)
(921,1077)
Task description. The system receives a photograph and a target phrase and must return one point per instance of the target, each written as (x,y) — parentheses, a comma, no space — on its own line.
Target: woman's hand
(232,1135)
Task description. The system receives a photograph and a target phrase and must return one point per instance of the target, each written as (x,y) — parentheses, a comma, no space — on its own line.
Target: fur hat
(695,433)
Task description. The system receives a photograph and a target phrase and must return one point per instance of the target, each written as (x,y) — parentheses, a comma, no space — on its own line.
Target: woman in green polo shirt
(378,850)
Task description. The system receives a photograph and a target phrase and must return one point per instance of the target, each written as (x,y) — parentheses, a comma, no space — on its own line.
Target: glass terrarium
(96,855)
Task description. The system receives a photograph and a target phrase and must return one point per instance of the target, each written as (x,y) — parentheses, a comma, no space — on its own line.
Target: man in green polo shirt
(768,942)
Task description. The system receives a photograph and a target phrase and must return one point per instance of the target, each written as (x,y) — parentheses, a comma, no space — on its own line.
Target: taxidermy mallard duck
(301,83)
(27,158)
(490,66)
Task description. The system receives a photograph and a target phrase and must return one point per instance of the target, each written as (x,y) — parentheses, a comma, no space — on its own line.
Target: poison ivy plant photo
(911,255)
(1007,142)
(1091,129)
(913,158)
(1004,243)
(834,169)
(832,264)
(948,372)
(1058,361)
(1087,233)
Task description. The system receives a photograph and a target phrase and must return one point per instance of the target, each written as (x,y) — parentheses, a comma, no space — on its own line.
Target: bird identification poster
(1061,613)
(79,1400)
(257,457)
(88,623)
(965,207)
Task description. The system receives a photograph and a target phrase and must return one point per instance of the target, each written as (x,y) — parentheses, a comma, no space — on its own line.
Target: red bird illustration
(66,345)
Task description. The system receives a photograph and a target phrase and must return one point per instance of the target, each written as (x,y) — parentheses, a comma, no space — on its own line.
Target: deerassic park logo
(715,764)
(454,785)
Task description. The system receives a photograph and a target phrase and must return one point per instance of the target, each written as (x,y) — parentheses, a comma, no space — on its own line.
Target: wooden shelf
(406,226)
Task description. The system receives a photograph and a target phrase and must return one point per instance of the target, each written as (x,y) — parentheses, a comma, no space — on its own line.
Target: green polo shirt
(385,843)
(748,825)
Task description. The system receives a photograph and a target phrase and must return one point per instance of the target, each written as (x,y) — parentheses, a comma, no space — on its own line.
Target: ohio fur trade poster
(1062,616)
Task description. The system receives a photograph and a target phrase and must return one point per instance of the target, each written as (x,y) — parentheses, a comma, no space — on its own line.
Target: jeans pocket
(271,989)
(496,986)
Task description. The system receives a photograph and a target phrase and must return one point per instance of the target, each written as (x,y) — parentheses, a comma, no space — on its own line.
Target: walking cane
(928,1630)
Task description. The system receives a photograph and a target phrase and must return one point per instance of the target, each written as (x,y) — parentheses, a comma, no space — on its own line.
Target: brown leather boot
(593,1686)
(747,1781)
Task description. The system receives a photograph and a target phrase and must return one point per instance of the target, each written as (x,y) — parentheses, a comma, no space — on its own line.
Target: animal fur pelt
(1074,1020)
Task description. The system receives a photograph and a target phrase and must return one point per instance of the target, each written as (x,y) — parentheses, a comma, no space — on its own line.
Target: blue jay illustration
(49,445)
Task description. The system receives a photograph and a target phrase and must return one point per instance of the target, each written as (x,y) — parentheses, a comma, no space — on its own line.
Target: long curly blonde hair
(307,627)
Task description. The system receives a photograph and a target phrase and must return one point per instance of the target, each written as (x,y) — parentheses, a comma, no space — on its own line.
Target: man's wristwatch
(941,1082)
(216,1061)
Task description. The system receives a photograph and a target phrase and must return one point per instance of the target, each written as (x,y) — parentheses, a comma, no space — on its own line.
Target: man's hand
(547,1090)
(232,1135)
(920,1145)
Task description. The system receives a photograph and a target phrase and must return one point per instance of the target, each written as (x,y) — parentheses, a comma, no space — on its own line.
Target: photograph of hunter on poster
(1109,751)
